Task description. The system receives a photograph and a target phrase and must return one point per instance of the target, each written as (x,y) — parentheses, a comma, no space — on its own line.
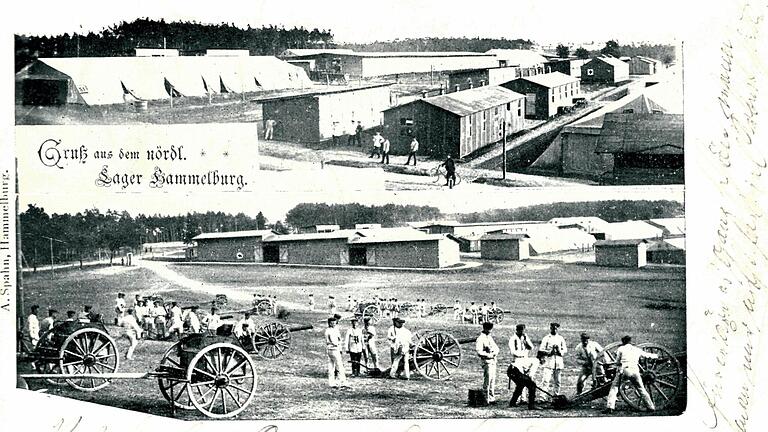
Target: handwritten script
(739,254)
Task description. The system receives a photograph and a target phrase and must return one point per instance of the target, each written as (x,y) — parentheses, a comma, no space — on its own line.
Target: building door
(530,103)
(358,256)
(258,255)
(271,253)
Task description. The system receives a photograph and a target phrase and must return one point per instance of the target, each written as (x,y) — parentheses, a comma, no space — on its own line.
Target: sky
(357,21)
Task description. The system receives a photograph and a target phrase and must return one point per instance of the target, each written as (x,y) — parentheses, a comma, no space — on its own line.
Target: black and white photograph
(429,215)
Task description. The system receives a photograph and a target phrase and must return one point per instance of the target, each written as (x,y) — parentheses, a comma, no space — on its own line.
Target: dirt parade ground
(607,303)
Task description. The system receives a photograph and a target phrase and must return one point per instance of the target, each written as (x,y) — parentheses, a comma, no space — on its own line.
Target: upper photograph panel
(553,108)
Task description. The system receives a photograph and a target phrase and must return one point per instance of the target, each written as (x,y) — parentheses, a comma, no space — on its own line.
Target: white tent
(100,80)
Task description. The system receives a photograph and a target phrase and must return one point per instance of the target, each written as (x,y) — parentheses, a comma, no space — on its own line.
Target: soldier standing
(487,350)
(551,353)
(354,343)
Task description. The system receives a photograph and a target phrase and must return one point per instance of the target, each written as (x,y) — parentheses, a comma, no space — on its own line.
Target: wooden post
(504,150)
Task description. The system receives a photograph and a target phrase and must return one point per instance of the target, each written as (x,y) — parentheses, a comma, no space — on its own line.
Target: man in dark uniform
(450,170)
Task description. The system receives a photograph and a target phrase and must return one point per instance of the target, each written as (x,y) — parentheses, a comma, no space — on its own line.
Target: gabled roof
(504,236)
(613,61)
(334,235)
(671,226)
(667,245)
(468,102)
(646,59)
(234,234)
(641,133)
(317,90)
(299,52)
(471,224)
(398,235)
(549,80)
(518,57)
(620,243)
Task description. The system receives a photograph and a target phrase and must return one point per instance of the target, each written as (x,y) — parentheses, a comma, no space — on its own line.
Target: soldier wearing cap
(550,354)
(331,305)
(370,352)
(487,350)
(353,341)
(586,354)
(400,344)
(333,343)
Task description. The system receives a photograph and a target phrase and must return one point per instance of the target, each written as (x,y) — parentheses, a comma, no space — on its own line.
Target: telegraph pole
(51,240)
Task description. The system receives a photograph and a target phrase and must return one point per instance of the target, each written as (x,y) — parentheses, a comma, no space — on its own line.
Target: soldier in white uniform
(158,312)
(473,311)
(132,331)
(458,312)
(371,353)
(333,343)
(628,359)
(312,302)
(192,321)
(119,307)
(213,321)
(551,353)
(177,320)
(33,325)
(400,345)
(331,305)
(245,327)
(586,354)
(487,350)
(520,346)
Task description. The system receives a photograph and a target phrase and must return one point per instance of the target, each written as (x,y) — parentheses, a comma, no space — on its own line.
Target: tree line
(610,211)
(88,234)
(189,37)
(347,215)
(440,44)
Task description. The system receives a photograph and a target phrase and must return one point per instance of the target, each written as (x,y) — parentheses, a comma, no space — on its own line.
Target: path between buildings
(241,294)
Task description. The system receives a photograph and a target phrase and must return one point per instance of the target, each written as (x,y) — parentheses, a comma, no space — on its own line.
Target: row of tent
(112,80)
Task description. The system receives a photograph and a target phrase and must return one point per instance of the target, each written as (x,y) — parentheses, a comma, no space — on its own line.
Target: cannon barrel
(300,328)
(466,340)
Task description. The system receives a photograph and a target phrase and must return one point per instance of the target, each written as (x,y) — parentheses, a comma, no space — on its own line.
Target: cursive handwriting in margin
(739,254)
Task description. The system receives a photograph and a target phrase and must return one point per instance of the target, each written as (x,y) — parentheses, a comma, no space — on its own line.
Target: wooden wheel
(48,365)
(264,307)
(603,368)
(662,378)
(373,312)
(222,380)
(496,315)
(171,363)
(88,351)
(437,355)
(271,340)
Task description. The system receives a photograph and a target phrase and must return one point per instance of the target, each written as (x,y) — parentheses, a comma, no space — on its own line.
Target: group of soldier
(549,358)
(473,313)
(361,346)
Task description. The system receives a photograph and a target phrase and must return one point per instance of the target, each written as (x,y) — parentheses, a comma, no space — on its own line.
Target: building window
(519,112)
(590,72)
(484,115)
(406,121)
(553,98)
(496,110)
(509,106)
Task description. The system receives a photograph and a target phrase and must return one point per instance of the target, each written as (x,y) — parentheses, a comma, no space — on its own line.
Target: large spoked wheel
(222,380)
(662,379)
(496,315)
(373,313)
(264,307)
(172,364)
(88,351)
(604,368)
(437,355)
(270,341)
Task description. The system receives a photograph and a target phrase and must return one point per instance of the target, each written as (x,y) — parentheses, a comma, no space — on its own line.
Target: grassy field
(608,303)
